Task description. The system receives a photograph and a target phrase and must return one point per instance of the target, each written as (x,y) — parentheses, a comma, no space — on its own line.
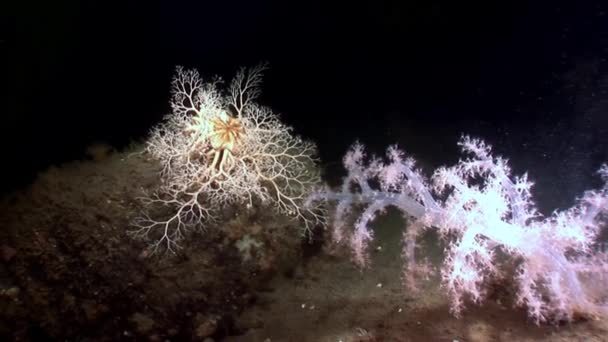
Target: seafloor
(69,272)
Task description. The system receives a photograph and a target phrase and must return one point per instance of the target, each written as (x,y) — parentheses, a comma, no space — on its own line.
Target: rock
(245,323)
(299,273)
(143,323)
(205,327)
(92,310)
(255,229)
(12,292)
(7,253)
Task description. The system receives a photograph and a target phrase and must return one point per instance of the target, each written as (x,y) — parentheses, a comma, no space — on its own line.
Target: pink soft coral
(483,211)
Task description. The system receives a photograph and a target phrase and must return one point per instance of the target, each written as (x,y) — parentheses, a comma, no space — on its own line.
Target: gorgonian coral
(220,148)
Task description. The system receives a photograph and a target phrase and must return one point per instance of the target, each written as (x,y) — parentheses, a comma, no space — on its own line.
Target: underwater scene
(307,171)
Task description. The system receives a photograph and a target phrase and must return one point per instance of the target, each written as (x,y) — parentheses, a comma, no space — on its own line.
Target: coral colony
(487,219)
(217,149)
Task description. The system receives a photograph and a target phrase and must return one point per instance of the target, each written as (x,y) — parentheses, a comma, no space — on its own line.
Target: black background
(529,77)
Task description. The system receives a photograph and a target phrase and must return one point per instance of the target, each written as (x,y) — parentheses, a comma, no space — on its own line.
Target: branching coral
(217,149)
(481,211)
